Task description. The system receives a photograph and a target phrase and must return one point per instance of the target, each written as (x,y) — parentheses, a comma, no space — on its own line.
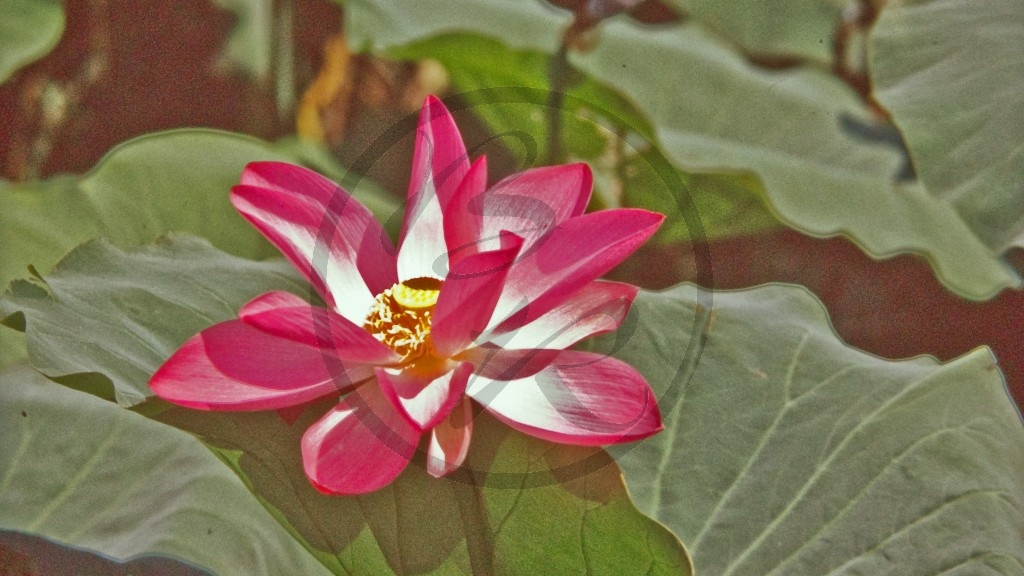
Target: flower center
(400,316)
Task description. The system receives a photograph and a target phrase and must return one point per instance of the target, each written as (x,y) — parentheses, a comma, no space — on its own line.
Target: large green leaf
(793,28)
(169,181)
(803,133)
(380,25)
(29,29)
(798,131)
(952,74)
(86,473)
(144,303)
(175,180)
(521,506)
(788,452)
(728,204)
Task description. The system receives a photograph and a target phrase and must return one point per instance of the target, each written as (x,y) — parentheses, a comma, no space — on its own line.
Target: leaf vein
(737,561)
(84,470)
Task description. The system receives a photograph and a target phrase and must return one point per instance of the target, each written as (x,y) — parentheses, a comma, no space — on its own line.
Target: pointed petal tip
(586,186)
(649,423)
(237,194)
(321,488)
(643,223)
(268,301)
(433,102)
(449,441)
(642,217)
(249,173)
(261,171)
(585,172)
(439,467)
(509,243)
(434,109)
(475,178)
(653,219)
(653,416)
(439,471)
(353,490)
(344,490)
(291,414)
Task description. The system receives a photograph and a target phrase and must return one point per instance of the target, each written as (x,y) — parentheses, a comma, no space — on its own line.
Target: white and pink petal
(359,446)
(326,233)
(595,308)
(287,316)
(582,398)
(424,399)
(499,363)
(440,163)
(449,440)
(463,216)
(468,297)
(233,366)
(531,203)
(571,256)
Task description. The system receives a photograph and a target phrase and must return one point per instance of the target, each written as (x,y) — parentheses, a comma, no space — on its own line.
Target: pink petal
(468,296)
(361,445)
(594,309)
(449,441)
(439,165)
(571,256)
(463,217)
(328,235)
(272,301)
(531,203)
(287,316)
(426,401)
(233,366)
(583,398)
(499,363)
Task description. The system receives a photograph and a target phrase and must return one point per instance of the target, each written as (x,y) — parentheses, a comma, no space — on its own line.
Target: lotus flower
(487,290)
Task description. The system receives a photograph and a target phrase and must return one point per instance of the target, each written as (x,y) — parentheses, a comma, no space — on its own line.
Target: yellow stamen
(400,316)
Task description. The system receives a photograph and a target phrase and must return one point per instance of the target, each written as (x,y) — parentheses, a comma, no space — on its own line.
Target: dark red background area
(161,74)
(23,555)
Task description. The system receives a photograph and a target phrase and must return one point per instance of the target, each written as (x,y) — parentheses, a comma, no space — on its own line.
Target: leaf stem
(478,533)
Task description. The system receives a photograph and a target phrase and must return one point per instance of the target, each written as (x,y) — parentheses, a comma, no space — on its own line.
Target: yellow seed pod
(418,295)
